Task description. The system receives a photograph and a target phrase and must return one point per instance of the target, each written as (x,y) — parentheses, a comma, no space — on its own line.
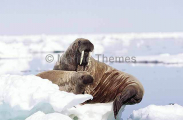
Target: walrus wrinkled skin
(109,83)
(69,81)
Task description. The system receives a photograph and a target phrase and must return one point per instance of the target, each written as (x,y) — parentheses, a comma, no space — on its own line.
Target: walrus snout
(85,49)
(85,59)
(85,45)
(87,79)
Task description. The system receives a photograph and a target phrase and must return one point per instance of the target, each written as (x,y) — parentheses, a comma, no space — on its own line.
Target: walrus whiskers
(89,56)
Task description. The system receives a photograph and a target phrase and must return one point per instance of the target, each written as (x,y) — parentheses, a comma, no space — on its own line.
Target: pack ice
(154,112)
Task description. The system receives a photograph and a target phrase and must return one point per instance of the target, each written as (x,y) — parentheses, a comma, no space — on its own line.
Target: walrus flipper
(122,99)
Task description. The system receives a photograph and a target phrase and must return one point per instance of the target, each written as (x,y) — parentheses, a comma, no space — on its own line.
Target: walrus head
(78,53)
(81,80)
(85,47)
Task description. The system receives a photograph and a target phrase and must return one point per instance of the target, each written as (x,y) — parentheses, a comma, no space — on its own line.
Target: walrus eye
(79,42)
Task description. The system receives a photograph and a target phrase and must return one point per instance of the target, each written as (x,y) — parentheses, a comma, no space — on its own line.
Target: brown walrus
(109,83)
(69,81)
(81,48)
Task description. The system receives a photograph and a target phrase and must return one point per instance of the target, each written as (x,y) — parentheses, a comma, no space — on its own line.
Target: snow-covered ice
(51,116)
(154,112)
(99,111)
(21,96)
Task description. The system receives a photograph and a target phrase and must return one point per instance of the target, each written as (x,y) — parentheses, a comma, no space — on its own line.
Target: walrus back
(109,82)
(54,75)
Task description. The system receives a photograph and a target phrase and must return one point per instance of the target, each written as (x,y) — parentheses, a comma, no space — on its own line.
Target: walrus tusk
(89,58)
(81,59)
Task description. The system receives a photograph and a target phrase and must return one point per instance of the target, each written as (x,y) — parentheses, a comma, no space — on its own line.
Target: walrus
(69,81)
(81,48)
(109,83)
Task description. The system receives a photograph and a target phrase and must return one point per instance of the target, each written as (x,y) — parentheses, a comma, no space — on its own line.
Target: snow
(52,116)
(21,96)
(154,112)
(98,111)
(21,46)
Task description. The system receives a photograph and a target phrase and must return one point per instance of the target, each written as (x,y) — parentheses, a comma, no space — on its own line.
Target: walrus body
(69,81)
(109,84)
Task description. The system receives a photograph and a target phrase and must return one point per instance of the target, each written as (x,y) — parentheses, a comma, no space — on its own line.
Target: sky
(30,17)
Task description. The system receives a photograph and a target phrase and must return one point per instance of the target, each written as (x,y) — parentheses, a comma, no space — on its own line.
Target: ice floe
(21,96)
